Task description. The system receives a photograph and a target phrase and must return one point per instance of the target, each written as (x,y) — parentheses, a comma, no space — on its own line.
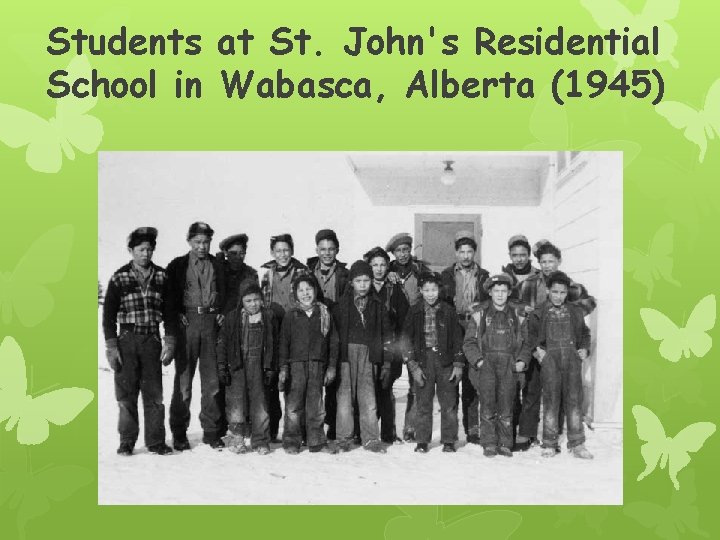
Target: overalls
(561,379)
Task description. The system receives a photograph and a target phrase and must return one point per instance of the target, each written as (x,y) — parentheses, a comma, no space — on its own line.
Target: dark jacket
(474,342)
(229,345)
(177,273)
(450,340)
(448,281)
(377,320)
(533,293)
(537,327)
(396,304)
(234,279)
(417,268)
(342,276)
(302,340)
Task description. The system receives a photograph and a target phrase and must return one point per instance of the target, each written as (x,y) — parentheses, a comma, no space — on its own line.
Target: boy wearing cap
(232,253)
(463,288)
(520,267)
(493,344)
(196,299)
(247,356)
(405,270)
(396,304)
(533,293)
(276,285)
(366,339)
(558,330)
(432,349)
(136,299)
(331,274)
(308,359)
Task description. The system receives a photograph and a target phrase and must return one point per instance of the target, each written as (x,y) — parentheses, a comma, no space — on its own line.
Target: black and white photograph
(360,328)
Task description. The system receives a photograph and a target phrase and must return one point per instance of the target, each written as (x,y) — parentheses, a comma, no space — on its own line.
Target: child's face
(549,263)
(430,292)
(558,294)
(327,251)
(235,255)
(499,294)
(403,253)
(465,256)
(282,253)
(142,254)
(519,256)
(379,267)
(252,303)
(361,285)
(200,245)
(305,293)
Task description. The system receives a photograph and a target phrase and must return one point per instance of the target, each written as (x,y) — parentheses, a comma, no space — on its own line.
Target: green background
(664,183)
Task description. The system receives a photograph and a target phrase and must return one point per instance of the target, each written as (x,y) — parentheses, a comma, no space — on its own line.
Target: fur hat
(398,240)
(142,234)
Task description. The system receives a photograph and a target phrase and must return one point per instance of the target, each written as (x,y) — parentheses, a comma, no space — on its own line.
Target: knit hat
(497,279)
(199,227)
(519,240)
(248,286)
(286,237)
(398,240)
(142,234)
(230,241)
(326,234)
(377,251)
(360,268)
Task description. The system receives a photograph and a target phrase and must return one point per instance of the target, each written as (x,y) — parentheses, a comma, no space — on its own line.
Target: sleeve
(388,334)
(221,283)
(111,306)
(448,286)
(585,340)
(284,345)
(458,355)
(533,324)
(221,349)
(471,343)
(334,344)
(407,339)
(482,294)
(170,321)
(174,296)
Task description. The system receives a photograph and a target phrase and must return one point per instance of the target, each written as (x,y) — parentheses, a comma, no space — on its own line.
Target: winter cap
(376,252)
(142,234)
(360,268)
(497,279)
(286,237)
(230,241)
(248,286)
(398,240)
(519,240)
(199,227)
(326,234)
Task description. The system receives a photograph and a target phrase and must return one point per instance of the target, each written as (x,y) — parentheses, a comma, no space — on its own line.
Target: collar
(493,309)
(434,307)
(142,271)
(459,268)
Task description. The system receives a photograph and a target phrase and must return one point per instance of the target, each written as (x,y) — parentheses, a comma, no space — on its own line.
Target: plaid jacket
(125,303)
(268,273)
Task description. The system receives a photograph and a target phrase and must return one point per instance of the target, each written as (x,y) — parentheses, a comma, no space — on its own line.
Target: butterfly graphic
(550,126)
(656,263)
(667,451)
(29,493)
(23,290)
(609,14)
(591,516)
(425,522)
(48,140)
(699,126)
(678,342)
(33,416)
(672,522)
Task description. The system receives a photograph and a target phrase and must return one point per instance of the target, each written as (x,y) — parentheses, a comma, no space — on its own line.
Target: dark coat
(177,273)
(229,345)
(234,279)
(301,339)
(378,322)
(537,327)
(449,331)
(342,276)
(448,282)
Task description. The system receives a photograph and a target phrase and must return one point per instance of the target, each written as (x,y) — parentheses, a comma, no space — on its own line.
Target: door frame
(420,219)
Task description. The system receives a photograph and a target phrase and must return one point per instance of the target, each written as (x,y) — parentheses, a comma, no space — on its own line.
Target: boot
(375,446)
(125,449)
(292,450)
(505,451)
(212,440)
(344,446)
(235,443)
(490,451)
(324,448)
(473,438)
(263,449)
(180,442)
(421,448)
(161,449)
(449,447)
(581,452)
(550,451)
(409,435)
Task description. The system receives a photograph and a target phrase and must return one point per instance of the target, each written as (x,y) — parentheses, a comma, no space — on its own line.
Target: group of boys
(333,340)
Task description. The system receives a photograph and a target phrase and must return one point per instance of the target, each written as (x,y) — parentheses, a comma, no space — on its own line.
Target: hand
(529,309)
(385,376)
(329,376)
(393,277)
(113,358)
(224,375)
(184,320)
(539,354)
(583,354)
(283,378)
(456,374)
(417,373)
(167,354)
(479,364)
(220,319)
(519,366)
(270,377)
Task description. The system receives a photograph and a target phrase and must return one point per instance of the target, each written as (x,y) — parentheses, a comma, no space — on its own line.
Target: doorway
(435,237)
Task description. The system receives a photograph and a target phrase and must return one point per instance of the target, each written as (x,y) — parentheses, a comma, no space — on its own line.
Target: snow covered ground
(206,476)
